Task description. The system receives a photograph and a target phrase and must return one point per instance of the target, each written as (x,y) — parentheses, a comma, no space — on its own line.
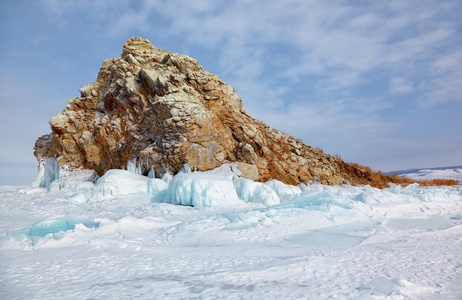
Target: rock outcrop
(163,110)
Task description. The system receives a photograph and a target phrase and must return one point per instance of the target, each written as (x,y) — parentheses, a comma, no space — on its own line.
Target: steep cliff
(163,110)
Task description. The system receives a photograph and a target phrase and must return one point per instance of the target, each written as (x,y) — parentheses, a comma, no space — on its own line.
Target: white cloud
(323,38)
(399,85)
(128,21)
(445,88)
(445,81)
(447,63)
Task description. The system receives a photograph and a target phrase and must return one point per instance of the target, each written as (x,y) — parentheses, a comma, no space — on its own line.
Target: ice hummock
(185,188)
(284,191)
(251,191)
(157,188)
(121,182)
(51,227)
(218,187)
(383,285)
(201,189)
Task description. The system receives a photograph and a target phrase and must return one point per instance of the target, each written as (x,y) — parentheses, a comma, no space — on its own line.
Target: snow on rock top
(163,110)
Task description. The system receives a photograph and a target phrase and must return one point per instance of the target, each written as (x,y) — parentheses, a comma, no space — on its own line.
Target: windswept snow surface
(432,173)
(270,241)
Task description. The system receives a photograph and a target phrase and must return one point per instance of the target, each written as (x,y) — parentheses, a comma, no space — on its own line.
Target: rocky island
(162,110)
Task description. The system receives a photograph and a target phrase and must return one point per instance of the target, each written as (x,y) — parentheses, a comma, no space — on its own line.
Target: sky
(376,82)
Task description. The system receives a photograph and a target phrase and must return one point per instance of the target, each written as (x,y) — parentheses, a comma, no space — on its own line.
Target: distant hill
(431,173)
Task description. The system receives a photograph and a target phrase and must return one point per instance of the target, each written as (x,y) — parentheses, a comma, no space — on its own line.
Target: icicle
(48,171)
(186,169)
(39,180)
(138,169)
(152,173)
(131,165)
(167,176)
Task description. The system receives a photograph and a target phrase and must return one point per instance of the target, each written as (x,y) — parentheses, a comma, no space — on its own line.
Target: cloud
(127,22)
(399,85)
(100,13)
(445,81)
(325,39)
(92,7)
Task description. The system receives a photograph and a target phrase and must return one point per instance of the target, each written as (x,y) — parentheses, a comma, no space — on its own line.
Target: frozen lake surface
(256,241)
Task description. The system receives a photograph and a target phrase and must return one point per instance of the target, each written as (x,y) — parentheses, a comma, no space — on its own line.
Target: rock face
(163,110)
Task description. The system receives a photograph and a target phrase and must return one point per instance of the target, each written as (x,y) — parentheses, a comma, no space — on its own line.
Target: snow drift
(215,235)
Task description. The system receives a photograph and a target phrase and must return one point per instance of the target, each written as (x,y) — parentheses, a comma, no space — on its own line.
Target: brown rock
(247,170)
(163,109)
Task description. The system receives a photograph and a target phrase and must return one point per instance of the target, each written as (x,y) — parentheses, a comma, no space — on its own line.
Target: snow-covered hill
(209,236)
(432,173)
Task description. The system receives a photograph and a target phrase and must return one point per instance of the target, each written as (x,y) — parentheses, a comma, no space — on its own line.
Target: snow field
(207,235)
(454,173)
